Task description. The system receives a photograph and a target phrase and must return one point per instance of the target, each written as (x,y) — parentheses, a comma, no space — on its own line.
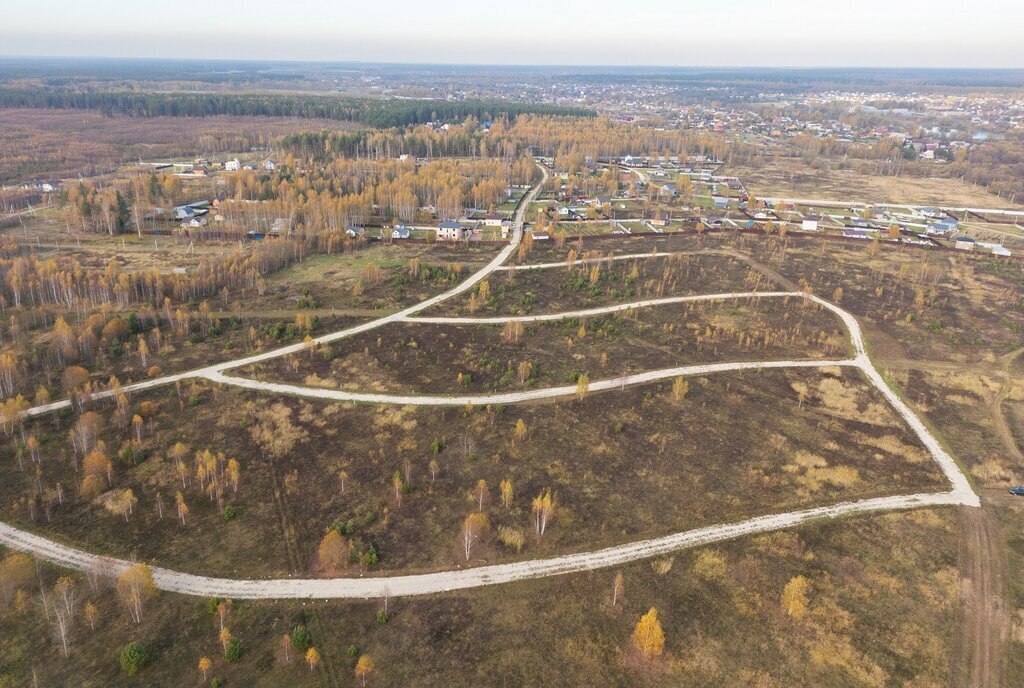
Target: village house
(281,226)
(401,232)
(232,165)
(452,231)
(810,223)
(187,212)
(943,227)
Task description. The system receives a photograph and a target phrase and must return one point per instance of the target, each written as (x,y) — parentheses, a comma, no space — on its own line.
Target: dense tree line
(373,112)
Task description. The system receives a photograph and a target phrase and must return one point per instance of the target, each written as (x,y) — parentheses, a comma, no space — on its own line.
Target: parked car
(1018,490)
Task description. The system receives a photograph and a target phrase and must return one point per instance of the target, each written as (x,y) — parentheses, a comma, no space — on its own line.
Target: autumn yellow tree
(205,664)
(312,658)
(399,486)
(512,331)
(364,667)
(135,585)
(794,597)
(332,553)
(179,500)
(524,371)
(582,385)
(472,530)
(648,637)
(520,431)
(543,511)
(679,389)
(225,638)
(92,615)
(16,571)
(505,487)
(234,471)
(481,494)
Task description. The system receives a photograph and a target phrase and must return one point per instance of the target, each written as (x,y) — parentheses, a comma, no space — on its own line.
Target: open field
(688,470)
(587,285)
(882,606)
(59,143)
(794,439)
(794,177)
(439,358)
(378,277)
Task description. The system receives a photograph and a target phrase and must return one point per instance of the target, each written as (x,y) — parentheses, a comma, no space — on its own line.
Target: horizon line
(507,65)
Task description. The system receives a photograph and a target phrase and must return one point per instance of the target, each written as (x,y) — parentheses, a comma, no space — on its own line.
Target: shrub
(353,650)
(230,512)
(233,652)
(382,616)
(133,657)
(217,683)
(512,538)
(301,637)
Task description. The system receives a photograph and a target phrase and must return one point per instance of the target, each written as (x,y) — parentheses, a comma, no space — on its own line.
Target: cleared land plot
(65,143)
(379,277)
(645,465)
(588,285)
(881,608)
(967,397)
(913,303)
(429,358)
(781,176)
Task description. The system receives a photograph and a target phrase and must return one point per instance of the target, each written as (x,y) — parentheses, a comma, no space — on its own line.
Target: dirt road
(978,659)
(422,584)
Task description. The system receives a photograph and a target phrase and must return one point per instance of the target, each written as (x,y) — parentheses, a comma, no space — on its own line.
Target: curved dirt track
(422,584)
(210,371)
(445,581)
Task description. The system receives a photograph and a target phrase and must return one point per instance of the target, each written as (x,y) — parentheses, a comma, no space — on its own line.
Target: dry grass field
(793,177)
(61,143)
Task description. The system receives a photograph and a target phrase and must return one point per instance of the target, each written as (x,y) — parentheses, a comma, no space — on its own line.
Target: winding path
(444,581)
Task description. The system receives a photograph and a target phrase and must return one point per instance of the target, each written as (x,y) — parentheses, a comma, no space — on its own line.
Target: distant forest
(378,113)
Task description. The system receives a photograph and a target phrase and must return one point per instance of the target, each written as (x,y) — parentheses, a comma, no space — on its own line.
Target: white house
(810,223)
(451,231)
(232,165)
(493,221)
(269,165)
(964,243)
(400,232)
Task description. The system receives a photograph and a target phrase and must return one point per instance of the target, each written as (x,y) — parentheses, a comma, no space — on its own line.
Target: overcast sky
(901,33)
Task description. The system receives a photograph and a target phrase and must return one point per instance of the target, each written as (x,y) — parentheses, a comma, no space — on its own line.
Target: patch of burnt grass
(454,358)
(621,465)
(879,605)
